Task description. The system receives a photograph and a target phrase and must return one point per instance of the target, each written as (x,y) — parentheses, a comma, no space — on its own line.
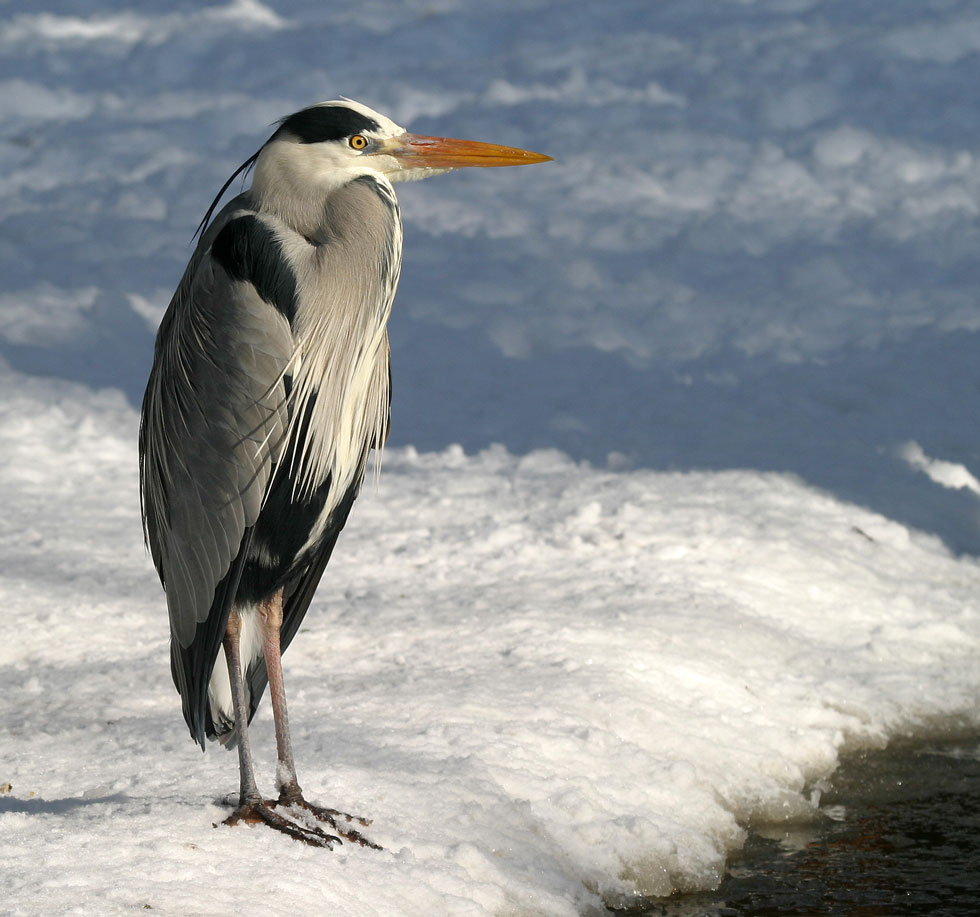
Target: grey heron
(270,386)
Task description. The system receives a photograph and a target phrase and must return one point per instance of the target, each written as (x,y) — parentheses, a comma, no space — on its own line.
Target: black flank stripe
(249,251)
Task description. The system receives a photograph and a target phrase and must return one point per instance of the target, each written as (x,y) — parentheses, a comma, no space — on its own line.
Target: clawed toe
(262,813)
(301,827)
(334,818)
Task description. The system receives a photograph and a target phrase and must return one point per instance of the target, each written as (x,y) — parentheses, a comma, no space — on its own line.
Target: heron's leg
(290,793)
(251,807)
(271,611)
(249,794)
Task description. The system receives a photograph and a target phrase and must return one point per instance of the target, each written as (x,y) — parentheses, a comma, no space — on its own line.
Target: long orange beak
(416,151)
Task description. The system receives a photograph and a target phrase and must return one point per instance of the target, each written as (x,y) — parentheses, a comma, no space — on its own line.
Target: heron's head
(329,144)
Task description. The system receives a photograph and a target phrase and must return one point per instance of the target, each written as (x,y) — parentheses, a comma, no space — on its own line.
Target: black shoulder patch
(320,123)
(249,251)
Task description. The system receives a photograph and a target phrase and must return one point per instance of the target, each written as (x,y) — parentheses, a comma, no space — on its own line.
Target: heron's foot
(340,822)
(262,813)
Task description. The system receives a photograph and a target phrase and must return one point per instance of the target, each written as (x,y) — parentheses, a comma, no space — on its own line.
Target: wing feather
(213,426)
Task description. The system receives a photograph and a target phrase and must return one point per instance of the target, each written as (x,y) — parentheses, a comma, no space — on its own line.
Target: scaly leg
(271,611)
(290,793)
(249,793)
(251,807)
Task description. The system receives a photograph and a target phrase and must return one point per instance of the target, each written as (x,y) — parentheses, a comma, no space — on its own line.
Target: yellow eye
(358,142)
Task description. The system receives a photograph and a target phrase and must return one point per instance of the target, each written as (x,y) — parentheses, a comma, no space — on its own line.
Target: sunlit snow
(681,501)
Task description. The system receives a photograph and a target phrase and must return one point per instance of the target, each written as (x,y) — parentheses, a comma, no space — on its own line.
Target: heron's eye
(358,142)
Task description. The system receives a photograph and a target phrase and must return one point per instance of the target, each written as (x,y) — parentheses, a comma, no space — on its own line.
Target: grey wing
(214,419)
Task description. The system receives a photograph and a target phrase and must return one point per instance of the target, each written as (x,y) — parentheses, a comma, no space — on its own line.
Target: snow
(681,502)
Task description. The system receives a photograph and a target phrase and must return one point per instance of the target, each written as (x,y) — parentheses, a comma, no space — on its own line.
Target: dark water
(898,833)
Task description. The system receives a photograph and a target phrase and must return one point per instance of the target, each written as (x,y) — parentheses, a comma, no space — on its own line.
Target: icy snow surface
(682,496)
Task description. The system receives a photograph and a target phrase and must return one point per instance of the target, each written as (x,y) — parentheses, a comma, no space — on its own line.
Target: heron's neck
(294,190)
